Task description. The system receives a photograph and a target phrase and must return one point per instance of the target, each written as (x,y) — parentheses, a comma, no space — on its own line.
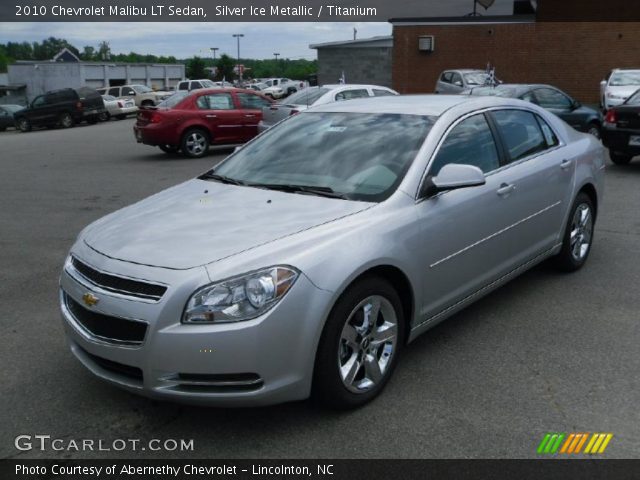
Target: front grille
(121,285)
(133,373)
(105,327)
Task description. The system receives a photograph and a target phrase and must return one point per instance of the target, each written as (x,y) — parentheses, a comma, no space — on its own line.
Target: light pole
(238,36)
(214,70)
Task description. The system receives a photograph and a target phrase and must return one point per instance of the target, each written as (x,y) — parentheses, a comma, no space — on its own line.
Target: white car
(195,84)
(620,84)
(118,107)
(313,96)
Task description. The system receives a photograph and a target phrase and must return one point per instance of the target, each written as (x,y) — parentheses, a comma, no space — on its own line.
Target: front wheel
(594,129)
(24,125)
(578,235)
(619,158)
(360,345)
(195,143)
(104,116)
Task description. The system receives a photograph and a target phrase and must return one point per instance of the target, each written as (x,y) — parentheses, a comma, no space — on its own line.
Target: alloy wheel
(196,143)
(367,343)
(581,232)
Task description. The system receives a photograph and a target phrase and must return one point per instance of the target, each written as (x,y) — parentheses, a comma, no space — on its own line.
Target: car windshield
(141,89)
(174,99)
(634,99)
(477,78)
(494,92)
(621,79)
(308,96)
(359,156)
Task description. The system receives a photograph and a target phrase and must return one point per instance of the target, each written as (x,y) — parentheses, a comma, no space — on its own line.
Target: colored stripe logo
(573,443)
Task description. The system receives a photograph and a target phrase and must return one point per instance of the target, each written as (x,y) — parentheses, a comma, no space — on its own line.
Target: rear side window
(114,91)
(128,91)
(183,86)
(471,143)
(216,101)
(549,134)
(521,133)
(548,98)
(446,77)
(195,85)
(250,101)
(350,94)
(381,93)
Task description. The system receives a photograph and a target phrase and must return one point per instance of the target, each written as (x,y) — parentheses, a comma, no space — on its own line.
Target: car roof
(429,105)
(466,70)
(333,86)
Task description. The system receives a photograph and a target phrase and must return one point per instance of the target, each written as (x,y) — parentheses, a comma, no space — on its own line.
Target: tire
(23,124)
(104,116)
(352,367)
(594,129)
(65,120)
(578,236)
(619,158)
(169,148)
(195,143)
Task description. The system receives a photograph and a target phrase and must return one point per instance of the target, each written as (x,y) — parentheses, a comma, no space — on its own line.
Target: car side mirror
(452,177)
(603,83)
(575,105)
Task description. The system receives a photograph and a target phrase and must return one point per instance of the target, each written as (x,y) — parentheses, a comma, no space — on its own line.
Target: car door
(224,120)
(464,247)
(250,106)
(541,172)
(457,84)
(442,86)
(40,112)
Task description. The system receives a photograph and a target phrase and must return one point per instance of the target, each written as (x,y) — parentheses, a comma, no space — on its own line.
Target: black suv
(62,108)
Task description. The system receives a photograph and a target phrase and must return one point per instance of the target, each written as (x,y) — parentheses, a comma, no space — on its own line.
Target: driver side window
(470,143)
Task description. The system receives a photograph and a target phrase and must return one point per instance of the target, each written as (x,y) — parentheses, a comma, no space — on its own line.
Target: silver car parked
(457,81)
(306,261)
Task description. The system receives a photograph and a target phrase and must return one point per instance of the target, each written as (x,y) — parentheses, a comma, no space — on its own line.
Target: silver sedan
(305,262)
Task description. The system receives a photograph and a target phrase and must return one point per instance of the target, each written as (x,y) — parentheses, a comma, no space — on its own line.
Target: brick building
(572,55)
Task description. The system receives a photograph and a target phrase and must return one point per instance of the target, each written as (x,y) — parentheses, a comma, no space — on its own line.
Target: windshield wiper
(221,178)
(308,189)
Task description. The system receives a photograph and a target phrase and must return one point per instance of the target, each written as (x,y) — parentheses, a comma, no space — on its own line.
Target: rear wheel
(619,158)
(65,120)
(24,125)
(360,345)
(594,129)
(578,235)
(195,143)
(104,116)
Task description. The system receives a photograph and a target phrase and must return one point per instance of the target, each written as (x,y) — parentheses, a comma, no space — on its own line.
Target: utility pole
(238,36)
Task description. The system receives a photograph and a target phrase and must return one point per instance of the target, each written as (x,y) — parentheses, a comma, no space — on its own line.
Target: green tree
(88,53)
(195,68)
(224,67)
(104,51)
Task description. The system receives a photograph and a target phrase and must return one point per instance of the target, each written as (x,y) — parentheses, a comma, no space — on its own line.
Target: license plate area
(634,140)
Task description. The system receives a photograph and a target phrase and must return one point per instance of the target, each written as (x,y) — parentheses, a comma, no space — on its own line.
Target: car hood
(200,222)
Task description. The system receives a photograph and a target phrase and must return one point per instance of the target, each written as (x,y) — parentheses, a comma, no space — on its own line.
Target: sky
(185,40)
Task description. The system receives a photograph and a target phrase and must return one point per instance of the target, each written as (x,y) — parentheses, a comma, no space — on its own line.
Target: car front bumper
(262,361)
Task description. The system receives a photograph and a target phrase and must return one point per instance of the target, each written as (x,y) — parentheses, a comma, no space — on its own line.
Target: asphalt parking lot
(545,353)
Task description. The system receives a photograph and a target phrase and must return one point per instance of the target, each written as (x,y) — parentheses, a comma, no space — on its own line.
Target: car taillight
(156,117)
(79,105)
(611,116)
(120,105)
(293,112)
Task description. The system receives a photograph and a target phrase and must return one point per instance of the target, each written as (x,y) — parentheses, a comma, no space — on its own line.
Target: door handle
(249,115)
(505,189)
(565,164)
(211,116)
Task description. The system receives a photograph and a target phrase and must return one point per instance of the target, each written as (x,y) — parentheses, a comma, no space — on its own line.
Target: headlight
(240,298)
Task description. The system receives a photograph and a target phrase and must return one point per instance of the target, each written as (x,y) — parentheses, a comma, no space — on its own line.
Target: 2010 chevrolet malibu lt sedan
(306,261)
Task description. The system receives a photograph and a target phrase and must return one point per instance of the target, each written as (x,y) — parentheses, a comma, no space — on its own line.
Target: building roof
(466,20)
(372,42)
(107,63)
(65,55)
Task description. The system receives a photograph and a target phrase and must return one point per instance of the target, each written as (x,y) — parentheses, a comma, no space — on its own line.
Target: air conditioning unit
(426,43)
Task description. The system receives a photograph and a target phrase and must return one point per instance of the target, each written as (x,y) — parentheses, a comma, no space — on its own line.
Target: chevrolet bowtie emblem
(90,299)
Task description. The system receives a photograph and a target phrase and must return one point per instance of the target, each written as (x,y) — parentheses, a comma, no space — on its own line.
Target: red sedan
(191,121)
